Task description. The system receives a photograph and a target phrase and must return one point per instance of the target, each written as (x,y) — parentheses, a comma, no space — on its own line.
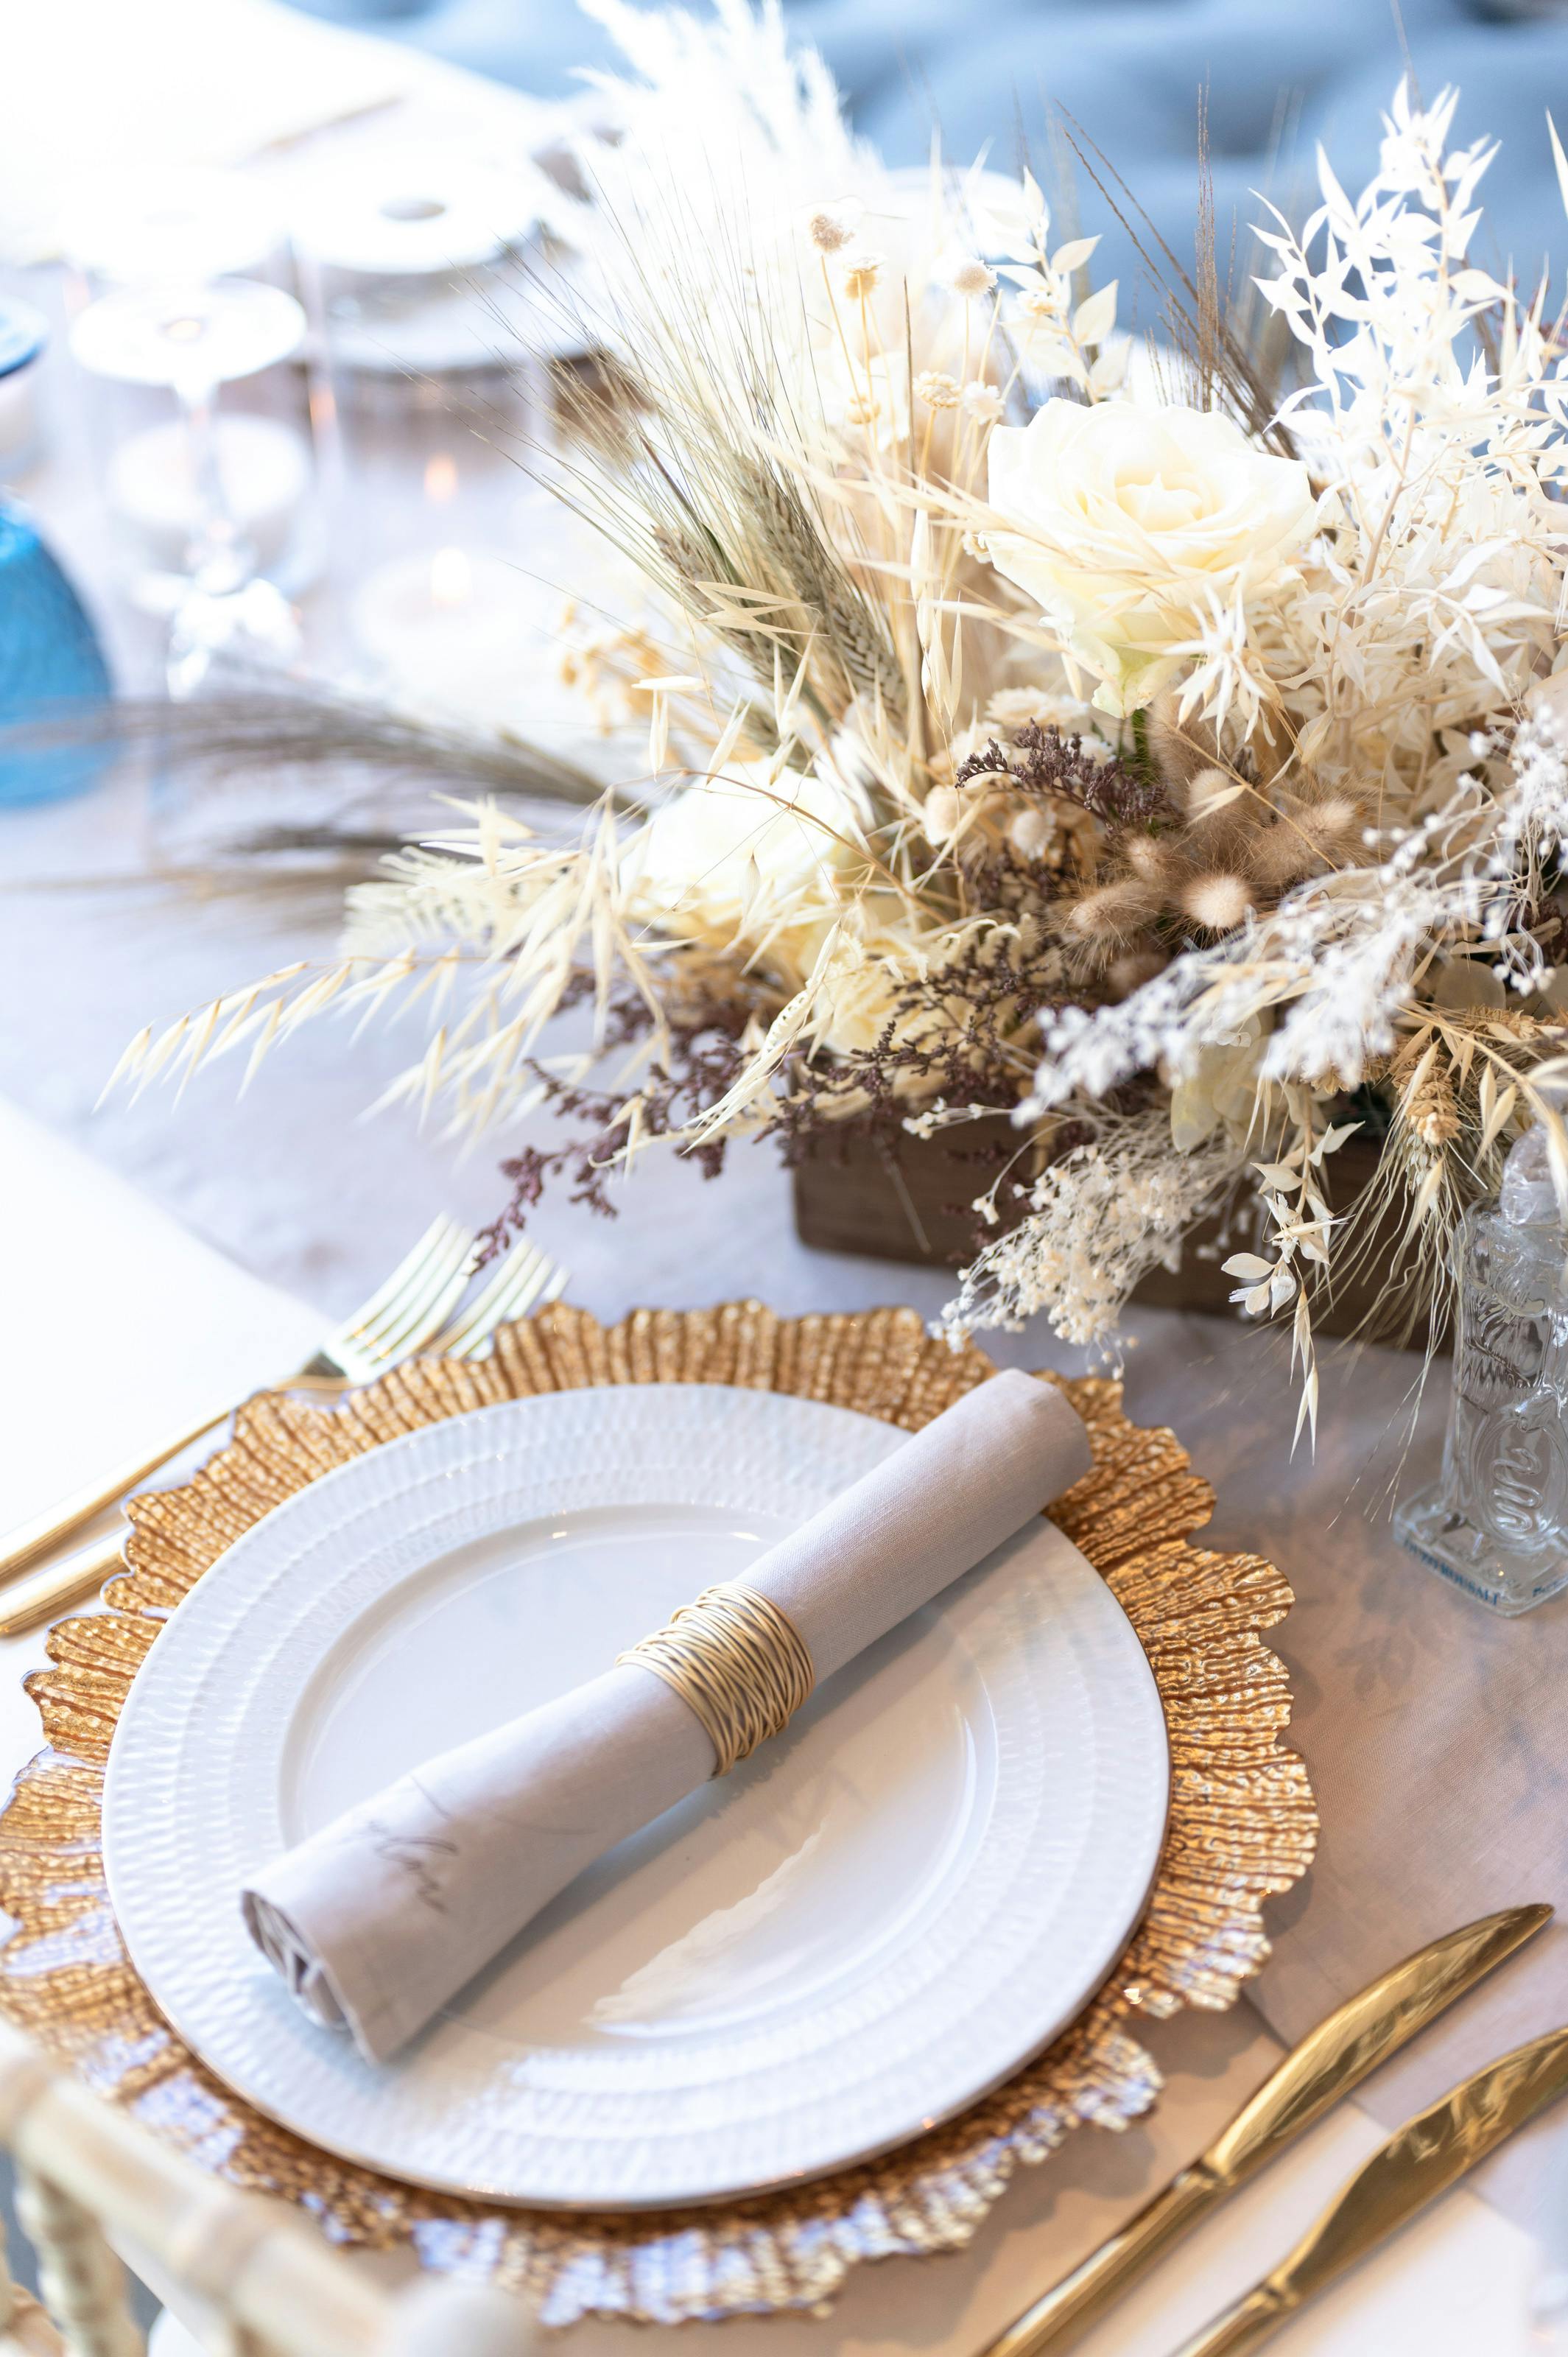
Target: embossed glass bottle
(1497,1523)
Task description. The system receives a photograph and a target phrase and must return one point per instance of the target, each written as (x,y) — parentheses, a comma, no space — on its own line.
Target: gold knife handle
(43,1595)
(25,1545)
(1071,2306)
(28,1541)
(1241,2328)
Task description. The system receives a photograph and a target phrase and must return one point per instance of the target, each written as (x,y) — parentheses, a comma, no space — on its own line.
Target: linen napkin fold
(378,1919)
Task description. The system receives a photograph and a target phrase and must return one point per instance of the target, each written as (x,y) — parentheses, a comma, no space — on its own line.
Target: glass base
(1428,1528)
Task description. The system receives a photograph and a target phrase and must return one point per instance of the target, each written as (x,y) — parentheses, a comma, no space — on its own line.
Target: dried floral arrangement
(1151,757)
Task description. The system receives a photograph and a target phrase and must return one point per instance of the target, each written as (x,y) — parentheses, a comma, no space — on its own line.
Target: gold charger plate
(1243,1824)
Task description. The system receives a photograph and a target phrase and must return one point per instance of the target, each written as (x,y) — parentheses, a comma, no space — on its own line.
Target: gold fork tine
(480,1315)
(446,1246)
(410,1322)
(351,1349)
(516,1285)
(524,1293)
(403,1275)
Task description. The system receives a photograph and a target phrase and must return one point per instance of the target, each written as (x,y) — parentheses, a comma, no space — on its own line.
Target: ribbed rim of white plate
(183,1824)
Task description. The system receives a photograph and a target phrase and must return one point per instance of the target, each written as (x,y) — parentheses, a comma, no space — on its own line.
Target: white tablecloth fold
(379,1918)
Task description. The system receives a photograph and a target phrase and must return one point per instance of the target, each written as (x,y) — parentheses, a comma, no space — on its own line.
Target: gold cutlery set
(1426,2156)
(427,1308)
(422,1311)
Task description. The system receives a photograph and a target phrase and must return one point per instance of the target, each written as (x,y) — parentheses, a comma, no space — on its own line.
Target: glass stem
(218,558)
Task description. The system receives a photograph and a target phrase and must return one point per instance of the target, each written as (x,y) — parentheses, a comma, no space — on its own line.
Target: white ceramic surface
(869,1923)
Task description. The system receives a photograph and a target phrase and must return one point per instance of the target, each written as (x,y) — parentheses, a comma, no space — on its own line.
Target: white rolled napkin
(385,1913)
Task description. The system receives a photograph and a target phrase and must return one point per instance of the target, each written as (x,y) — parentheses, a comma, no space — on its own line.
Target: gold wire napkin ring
(737,1663)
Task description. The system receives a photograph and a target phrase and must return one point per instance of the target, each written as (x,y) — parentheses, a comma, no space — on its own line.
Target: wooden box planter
(849,1200)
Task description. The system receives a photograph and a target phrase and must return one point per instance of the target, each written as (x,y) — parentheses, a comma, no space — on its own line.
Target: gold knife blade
(1331,2060)
(1424,2159)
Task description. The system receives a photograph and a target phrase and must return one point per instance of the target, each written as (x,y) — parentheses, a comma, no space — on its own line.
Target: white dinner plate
(867,1925)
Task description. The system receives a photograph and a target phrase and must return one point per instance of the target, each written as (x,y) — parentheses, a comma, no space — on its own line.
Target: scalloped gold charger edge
(1243,1824)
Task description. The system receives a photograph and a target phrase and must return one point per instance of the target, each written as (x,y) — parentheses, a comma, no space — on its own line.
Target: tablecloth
(118,1322)
(1433,1736)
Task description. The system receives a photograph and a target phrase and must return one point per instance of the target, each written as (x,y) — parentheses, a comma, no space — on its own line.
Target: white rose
(746,855)
(1130,519)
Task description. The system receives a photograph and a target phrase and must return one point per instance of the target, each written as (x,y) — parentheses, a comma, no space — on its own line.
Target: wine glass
(410,262)
(193,340)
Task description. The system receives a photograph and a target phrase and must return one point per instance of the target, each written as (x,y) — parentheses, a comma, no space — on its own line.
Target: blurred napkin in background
(95,86)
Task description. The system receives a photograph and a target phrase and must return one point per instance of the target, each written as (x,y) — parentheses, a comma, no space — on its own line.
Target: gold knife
(1331,2060)
(1427,2156)
(45,1594)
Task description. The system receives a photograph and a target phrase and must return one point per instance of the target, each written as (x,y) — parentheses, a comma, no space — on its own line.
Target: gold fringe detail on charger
(1243,1825)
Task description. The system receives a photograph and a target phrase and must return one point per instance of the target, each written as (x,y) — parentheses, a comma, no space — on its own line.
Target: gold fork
(526,1279)
(414,1313)
(422,1290)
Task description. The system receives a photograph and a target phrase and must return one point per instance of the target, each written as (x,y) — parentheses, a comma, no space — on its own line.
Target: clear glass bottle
(1497,1523)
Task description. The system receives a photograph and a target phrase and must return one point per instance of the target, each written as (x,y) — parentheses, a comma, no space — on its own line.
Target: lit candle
(452,622)
(440,478)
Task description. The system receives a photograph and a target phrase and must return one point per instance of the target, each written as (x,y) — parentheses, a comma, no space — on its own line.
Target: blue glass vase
(50,662)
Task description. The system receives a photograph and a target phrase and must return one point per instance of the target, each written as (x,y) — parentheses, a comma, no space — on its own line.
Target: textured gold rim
(1243,1824)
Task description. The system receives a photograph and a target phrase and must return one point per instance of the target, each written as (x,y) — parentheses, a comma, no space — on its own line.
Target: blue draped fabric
(50,664)
(1280,76)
